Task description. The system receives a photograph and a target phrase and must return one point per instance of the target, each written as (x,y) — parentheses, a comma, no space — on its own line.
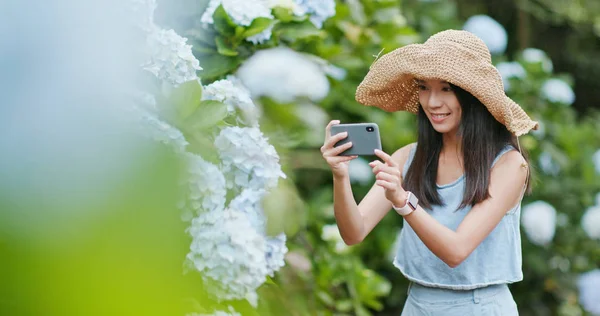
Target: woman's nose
(435,101)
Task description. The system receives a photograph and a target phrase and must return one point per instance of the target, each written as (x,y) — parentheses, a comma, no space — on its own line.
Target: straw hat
(458,57)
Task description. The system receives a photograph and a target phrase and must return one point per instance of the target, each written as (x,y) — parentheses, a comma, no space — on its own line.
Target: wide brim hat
(458,57)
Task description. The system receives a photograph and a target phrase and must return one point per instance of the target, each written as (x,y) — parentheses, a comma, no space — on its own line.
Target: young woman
(459,188)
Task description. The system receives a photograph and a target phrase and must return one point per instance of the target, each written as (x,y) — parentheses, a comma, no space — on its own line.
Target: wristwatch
(411,204)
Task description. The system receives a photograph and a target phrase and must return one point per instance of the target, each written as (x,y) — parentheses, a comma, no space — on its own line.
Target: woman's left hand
(389,177)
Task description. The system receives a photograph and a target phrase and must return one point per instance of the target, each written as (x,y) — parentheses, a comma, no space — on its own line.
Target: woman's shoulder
(401,155)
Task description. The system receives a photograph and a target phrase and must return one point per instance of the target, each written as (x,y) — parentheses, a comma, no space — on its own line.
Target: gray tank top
(496,260)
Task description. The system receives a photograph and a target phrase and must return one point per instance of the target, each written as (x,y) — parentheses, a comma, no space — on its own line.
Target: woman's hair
(483,137)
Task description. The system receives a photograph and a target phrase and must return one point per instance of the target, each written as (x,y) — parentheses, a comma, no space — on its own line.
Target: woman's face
(440,105)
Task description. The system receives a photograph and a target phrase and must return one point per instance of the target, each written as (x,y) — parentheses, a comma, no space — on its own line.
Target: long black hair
(483,137)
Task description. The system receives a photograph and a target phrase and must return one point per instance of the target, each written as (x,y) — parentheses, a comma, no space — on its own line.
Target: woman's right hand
(338,164)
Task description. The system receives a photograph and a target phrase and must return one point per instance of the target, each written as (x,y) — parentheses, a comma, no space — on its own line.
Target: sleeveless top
(496,260)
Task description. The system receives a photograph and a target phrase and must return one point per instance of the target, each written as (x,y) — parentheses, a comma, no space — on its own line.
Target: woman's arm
(453,247)
(355,222)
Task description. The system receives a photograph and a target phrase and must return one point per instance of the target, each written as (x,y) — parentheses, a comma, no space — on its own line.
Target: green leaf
(223,22)
(223,48)
(258,25)
(325,298)
(344,305)
(216,65)
(283,14)
(186,98)
(207,115)
(300,31)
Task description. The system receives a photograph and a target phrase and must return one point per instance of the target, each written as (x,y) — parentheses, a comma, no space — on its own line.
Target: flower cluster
(205,187)
(590,221)
(170,59)
(319,10)
(275,253)
(231,312)
(557,91)
(242,12)
(509,70)
(232,93)
(589,291)
(283,75)
(490,31)
(150,124)
(248,158)
(229,253)
(539,222)
(535,56)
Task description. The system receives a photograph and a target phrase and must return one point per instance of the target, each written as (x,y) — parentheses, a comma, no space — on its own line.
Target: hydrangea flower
(534,55)
(143,13)
(276,250)
(170,58)
(558,91)
(232,93)
(249,202)
(539,221)
(229,254)
(548,165)
(161,131)
(360,171)
(588,285)
(249,158)
(283,75)
(319,10)
(242,12)
(590,221)
(509,70)
(490,31)
(596,160)
(206,187)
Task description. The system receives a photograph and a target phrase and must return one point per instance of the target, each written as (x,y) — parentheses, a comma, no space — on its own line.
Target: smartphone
(364,137)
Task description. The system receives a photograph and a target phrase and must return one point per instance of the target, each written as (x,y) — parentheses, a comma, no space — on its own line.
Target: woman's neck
(452,143)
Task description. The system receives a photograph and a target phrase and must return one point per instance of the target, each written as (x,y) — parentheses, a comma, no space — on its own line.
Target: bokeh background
(162,157)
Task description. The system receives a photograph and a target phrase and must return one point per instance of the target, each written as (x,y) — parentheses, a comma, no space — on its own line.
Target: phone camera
(370,128)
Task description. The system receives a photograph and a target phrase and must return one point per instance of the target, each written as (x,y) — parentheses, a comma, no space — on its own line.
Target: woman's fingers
(386,158)
(378,167)
(328,128)
(339,159)
(386,185)
(337,150)
(333,140)
(386,177)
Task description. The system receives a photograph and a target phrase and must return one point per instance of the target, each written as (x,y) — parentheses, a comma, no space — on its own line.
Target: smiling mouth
(439,116)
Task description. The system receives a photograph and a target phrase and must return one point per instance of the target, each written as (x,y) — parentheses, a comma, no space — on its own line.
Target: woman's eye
(446,89)
(422,87)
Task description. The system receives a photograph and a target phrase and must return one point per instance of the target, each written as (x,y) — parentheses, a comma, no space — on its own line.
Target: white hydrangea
(319,10)
(556,90)
(249,202)
(242,12)
(159,130)
(360,171)
(331,233)
(490,31)
(232,93)
(206,187)
(588,285)
(548,165)
(276,250)
(142,12)
(229,254)
(539,221)
(534,56)
(590,221)
(170,58)
(509,70)
(283,75)
(596,160)
(249,158)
